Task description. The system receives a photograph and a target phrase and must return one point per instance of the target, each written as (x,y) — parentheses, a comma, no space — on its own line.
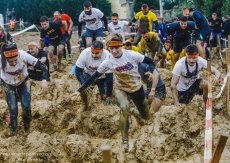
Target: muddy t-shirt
(118,28)
(125,69)
(180,70)
(15,75)
(93,21)
(88,63)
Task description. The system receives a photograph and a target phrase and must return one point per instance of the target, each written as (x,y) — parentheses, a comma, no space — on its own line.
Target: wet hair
(97,45)
(191,49)
(44,18)
(115,14)
(6,47)
(87,4)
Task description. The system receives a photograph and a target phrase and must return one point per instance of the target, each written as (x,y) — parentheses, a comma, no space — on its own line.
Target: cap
(144,6)
(10,50)
(87,4)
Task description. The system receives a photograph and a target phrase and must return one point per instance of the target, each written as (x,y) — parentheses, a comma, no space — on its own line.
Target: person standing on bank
(13,73)
(186,82)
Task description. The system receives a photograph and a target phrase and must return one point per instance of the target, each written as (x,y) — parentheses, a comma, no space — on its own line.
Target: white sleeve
(81,61)
(28,58)
(202,62)
(136,56)
(177,69)
(80,19)
(99,13)
(104,66)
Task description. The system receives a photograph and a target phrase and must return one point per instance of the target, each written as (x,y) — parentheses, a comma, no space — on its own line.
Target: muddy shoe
(59,66)
(27,127)
(125,145)
(13,132)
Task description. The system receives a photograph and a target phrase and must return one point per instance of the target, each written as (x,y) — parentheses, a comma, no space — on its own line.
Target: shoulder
(96,10)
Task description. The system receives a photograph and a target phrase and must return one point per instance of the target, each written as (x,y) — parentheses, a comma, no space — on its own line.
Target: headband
(114,43)
(11,53)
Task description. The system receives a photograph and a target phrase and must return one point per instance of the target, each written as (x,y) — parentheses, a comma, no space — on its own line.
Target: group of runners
(123,67)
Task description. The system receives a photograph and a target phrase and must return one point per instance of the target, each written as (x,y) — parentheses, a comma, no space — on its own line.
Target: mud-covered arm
(44,69)
(174,82)
(89,81)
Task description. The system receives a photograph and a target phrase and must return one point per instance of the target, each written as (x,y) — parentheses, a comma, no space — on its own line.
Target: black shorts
(186,97)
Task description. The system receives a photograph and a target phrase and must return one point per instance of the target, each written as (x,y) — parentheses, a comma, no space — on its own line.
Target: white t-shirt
(15,75)
(93,21)
(118,28)
(181,70)
(125,68)
(88,63)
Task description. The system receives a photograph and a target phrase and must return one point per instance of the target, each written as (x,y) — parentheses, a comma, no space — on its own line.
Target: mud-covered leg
(11,99)
(25,98)
(123,103)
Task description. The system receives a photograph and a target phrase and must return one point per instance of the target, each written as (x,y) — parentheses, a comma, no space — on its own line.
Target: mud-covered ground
(62,132)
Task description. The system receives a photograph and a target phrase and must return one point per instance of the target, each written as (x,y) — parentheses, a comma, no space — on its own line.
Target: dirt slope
(62,132)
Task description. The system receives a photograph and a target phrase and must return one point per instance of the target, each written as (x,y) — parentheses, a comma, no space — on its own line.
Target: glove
(109,101)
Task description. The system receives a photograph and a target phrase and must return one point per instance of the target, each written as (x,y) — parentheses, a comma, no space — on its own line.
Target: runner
(13,69)
(94,27)
(181,33)
(118,26)
(36,73)
(203,31)
(56,41)
(86,66)
(128,85)
(186,81)
(146,19)
(66,32)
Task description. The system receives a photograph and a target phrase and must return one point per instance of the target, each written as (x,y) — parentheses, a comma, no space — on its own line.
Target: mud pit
(62,132)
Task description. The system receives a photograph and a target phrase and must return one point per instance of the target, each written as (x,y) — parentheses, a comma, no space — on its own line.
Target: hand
(109,101)
(69,32)
(150,76)
(79,40)
(44,85)
(106,33)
